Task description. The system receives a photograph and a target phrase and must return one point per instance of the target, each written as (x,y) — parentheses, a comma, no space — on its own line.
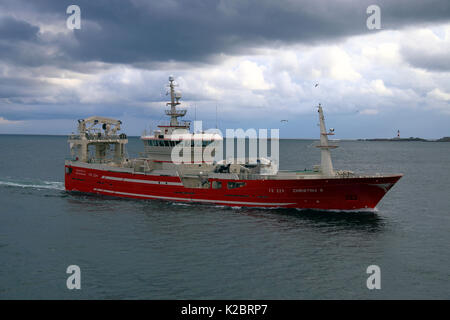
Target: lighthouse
(398,134)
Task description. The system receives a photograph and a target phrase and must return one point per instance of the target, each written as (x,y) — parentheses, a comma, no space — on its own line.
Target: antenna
(174,101)
(216,115)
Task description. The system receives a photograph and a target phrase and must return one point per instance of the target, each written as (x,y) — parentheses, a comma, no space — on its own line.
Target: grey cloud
(423,58)
(399,13)
(152,34)
(15,30)
(42,111)
(146,32)
(17,87)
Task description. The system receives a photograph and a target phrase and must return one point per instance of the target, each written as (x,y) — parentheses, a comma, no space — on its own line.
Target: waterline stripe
(144,181)
(192,200)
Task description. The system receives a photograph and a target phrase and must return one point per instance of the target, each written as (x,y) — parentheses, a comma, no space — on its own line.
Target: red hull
(324,194)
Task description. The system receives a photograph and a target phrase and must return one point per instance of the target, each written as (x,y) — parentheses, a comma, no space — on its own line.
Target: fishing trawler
(99,165)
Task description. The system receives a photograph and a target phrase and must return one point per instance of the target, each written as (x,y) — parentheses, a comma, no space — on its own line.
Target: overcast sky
(257,61)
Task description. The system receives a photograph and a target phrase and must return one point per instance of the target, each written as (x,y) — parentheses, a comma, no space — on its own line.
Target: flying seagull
(316,85)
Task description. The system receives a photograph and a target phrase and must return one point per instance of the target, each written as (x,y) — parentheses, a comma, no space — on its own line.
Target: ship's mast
(174,101)
(326,164)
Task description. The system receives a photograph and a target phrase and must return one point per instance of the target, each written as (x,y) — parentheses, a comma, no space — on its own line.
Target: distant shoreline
(444,139)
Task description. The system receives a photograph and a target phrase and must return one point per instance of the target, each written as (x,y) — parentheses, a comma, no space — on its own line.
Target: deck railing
(96,137)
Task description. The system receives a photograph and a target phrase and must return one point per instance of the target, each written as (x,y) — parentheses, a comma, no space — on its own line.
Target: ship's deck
(281,174)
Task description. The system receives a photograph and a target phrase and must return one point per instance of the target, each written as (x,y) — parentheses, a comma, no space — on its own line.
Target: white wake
(55,185)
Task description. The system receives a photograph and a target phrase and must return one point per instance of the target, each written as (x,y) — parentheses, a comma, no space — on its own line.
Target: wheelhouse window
(206,142)
(234,185)
(217,185)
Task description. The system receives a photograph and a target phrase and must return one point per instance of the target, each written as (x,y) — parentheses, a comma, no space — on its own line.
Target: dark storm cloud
(151,34)
(144,32)
(15,30)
